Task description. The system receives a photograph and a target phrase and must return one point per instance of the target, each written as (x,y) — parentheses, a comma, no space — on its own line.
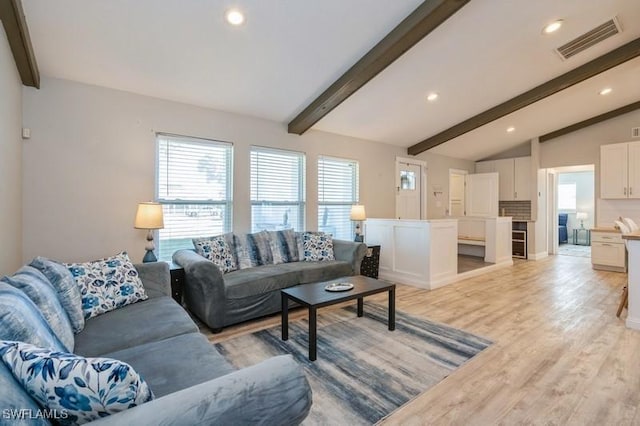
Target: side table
(576,235)
(177,282)
(371,262)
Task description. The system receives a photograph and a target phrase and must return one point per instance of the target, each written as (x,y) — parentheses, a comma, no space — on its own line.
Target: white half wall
(10,160)
(91,159)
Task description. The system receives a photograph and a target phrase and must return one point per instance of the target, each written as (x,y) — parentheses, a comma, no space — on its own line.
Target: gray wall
(10,160)
(91,159)
(438,176)
(583,147)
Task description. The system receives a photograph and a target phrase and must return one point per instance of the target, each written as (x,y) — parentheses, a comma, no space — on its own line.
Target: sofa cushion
(260,280)
(107,284)
(313,272)
(17,407)
(176,363)
(217,250)
(318,246)
(37,287)
(66,287)
(85,389)
(142,322)
(21,320)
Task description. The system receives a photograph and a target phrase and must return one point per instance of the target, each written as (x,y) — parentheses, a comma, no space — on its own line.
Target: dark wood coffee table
(314,296)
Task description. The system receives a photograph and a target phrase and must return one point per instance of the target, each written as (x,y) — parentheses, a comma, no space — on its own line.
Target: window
(337,192)
(194,187)
(567,196)
(277,189)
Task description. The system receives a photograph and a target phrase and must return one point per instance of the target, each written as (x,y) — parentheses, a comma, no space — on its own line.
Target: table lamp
(149,216)
(582,216)
(358,215)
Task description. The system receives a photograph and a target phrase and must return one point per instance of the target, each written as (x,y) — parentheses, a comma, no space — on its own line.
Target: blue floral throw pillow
(317,246)
(78,389)
(107,284)
(217,250)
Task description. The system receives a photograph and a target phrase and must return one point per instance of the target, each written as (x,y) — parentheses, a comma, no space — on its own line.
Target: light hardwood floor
(560,355)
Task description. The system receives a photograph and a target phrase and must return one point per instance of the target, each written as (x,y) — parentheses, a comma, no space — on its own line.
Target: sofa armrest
(204,292)
(273,392)
(350,251)
(155,277)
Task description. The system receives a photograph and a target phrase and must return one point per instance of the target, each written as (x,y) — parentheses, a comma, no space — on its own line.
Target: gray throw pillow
(66,287)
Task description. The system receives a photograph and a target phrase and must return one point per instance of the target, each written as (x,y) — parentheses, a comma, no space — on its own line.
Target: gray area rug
(574,250)
(363,371)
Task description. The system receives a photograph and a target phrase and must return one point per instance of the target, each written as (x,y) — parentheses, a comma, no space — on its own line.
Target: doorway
(410,189)
(574,210)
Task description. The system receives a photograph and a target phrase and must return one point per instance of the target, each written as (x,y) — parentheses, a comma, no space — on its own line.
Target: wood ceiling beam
(590,121)
(15,26)
(601,64)
(427,17)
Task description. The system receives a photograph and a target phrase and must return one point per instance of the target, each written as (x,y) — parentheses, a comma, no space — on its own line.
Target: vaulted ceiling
(289,51)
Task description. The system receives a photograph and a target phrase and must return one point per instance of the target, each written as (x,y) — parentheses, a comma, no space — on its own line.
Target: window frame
(226,204)
(575,197)
(355,184)
(301,204)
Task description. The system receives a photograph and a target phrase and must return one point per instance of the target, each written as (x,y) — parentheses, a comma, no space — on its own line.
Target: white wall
(438,178)
(583,147)
(10,160)
(91,159)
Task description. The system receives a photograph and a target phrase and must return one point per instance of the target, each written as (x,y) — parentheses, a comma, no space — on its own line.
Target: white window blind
(194,187)
(277,189)
(337,192)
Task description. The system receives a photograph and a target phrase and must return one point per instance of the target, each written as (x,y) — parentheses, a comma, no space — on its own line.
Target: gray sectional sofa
(193,384)
(220,300)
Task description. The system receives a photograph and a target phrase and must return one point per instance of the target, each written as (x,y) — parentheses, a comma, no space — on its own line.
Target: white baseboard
(443,280)
(538,256)
(633,323)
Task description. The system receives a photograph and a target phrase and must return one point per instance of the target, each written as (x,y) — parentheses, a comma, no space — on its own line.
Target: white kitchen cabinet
(514,177)
(634,170)
(522,178)
(481,195)
(608,251)
(505,172)
(620,170)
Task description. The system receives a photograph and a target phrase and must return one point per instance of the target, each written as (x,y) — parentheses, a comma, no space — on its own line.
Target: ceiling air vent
(635,132)
(590,38)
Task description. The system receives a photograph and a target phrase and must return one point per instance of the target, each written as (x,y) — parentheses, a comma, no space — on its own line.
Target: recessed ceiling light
(432,96)
(552,27)
(606,91)
(234,17)
(511,129)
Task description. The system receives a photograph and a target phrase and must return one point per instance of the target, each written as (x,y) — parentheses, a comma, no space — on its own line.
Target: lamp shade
(357,212)
(149,216)
(582,216)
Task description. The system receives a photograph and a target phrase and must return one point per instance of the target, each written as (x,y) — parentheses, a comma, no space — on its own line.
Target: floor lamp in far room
(358,215)
(149,216)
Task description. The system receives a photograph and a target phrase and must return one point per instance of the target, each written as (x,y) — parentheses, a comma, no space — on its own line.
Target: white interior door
(481,195)
(409,190)
(456,192)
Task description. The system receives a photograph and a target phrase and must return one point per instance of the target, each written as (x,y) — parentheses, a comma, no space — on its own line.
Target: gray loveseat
(220,300)
(193,384)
